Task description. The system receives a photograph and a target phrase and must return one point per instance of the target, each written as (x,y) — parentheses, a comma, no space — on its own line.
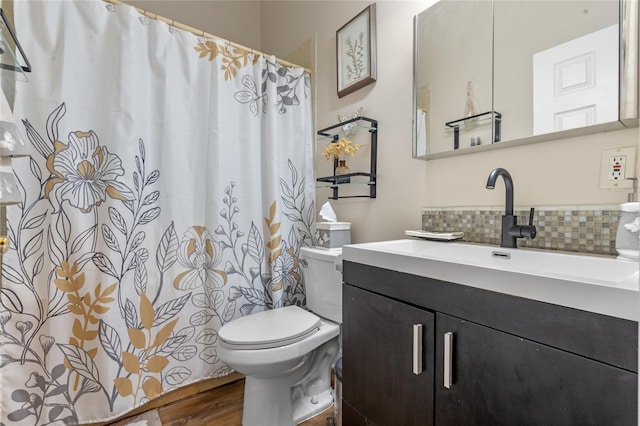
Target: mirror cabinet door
(452,76)
(551,76)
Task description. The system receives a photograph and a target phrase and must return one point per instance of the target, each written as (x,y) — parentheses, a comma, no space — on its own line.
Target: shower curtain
(168,190)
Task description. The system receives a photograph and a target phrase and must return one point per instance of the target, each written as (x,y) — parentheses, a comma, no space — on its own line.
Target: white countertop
(599,284)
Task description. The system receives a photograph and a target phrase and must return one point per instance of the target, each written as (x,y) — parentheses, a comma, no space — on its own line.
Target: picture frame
(356,52)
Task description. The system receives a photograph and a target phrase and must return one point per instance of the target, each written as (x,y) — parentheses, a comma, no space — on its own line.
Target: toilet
(286,354)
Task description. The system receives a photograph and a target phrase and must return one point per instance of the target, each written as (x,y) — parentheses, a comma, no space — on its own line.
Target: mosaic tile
(583,229)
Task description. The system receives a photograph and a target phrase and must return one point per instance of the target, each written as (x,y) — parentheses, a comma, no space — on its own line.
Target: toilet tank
(323,281)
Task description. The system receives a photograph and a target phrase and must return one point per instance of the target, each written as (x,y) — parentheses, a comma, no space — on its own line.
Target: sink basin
(594,283)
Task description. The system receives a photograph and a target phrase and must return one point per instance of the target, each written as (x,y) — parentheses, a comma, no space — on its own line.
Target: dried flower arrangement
(343,146)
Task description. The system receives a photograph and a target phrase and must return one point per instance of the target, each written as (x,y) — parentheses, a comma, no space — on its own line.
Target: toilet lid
(269,329)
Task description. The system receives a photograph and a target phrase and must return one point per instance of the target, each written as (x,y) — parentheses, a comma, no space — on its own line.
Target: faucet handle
(525,231)
(531,212)
(529,231)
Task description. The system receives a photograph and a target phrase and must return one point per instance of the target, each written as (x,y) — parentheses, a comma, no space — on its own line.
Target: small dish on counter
(438,236)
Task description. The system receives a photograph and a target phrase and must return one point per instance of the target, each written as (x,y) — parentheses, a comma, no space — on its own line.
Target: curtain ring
(144,19)
(172,27)
(202,38)
(229,46)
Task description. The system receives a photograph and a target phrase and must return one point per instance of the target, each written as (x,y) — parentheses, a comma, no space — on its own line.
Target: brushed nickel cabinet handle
(417,349)
(448,359)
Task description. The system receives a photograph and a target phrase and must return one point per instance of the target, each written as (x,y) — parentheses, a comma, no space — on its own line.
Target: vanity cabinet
(502,379)
(390,358)
(509,360)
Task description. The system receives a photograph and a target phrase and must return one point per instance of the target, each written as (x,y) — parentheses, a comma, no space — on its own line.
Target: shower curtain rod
(202,33)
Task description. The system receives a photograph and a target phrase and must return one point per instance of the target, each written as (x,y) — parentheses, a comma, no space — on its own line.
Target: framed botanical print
(356,52)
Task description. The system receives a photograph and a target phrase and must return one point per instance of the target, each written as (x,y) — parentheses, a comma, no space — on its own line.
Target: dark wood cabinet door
(501,379)
(378,359)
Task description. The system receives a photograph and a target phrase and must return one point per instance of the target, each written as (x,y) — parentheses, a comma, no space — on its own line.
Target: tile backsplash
(583,229)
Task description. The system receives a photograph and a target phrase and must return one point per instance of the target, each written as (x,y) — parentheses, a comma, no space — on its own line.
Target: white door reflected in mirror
(575,84)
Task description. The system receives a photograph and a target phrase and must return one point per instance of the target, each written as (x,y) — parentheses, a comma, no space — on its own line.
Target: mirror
(495,74)
(453,58)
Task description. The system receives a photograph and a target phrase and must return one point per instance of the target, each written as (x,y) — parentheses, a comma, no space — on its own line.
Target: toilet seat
(269,329)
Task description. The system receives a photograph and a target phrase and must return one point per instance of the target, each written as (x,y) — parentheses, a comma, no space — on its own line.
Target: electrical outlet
(616,170)
(617,167)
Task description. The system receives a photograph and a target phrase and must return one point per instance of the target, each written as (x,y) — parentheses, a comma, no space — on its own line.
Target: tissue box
(333,234)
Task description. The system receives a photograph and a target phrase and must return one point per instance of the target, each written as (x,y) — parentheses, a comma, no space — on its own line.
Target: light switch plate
(617,166)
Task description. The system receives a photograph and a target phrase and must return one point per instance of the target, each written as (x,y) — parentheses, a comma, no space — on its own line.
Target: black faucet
(510,228)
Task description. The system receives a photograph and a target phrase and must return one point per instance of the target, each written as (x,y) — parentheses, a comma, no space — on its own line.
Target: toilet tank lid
(271,328)
(329,255)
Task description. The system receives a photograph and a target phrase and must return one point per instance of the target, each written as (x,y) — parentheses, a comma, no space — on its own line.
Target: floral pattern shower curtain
(168,191)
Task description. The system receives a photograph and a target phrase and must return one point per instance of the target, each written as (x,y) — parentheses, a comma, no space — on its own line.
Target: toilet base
(306,408)
(294,395)
(267,402)
(275,407)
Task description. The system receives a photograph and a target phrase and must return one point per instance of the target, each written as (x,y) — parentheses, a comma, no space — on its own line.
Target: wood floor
(221,406)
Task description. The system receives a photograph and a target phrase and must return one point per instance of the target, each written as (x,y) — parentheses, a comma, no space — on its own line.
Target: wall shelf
(12,57)
(336,181)
(456,125)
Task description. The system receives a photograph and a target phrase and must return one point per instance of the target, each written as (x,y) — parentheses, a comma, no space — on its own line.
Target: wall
(555,173)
